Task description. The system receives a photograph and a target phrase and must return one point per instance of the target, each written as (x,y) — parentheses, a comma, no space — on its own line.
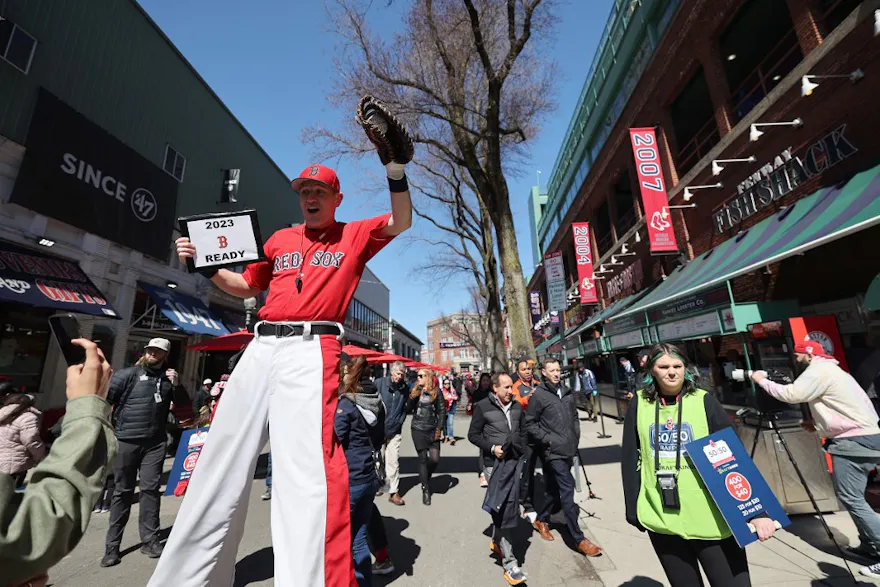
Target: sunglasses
(422,375)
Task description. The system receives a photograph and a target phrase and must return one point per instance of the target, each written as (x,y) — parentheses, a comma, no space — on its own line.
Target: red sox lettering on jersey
(289,261)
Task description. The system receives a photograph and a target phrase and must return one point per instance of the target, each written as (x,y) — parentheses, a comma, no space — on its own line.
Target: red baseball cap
(319,173)
(811,347)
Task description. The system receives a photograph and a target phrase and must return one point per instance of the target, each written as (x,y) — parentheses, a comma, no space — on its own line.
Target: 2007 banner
(583,254)
(653,187)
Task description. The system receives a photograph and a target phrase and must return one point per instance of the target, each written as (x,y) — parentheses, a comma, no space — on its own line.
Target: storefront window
(105,338)
(24,340)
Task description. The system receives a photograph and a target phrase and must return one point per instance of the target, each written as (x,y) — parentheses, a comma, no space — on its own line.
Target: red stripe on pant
(338,562)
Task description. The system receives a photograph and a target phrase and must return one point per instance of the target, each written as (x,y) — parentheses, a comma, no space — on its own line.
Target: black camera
(668,485)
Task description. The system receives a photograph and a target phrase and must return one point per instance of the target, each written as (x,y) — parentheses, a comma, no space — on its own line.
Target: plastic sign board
(653,189)
(583,254)
(554,269)
(223,240)
(736,485)
(188,451)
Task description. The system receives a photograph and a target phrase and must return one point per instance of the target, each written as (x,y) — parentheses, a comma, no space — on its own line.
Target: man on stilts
(287,380)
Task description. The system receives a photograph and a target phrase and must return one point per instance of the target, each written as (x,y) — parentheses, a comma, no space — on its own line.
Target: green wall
(109,61)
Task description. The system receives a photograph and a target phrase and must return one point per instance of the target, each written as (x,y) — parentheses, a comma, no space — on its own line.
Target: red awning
(356,351)
(385,358)
(227,342)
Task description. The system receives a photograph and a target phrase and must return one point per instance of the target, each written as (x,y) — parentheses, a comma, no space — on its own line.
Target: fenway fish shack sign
(778,179)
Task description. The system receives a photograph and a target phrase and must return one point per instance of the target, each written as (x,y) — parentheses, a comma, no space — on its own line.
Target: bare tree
(466,76)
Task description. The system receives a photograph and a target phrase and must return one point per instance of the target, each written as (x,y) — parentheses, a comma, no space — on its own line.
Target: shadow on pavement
(520,539)
(255,567)
(448,464)
(439,484)
(404,551)
(809,528)
(837,575)
(163,536)
(641,581)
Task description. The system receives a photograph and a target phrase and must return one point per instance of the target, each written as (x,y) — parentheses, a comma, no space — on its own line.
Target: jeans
(361,505)
(269,473)
(450,416)
(559,488)
(501,539)
(850,479)
(133,459)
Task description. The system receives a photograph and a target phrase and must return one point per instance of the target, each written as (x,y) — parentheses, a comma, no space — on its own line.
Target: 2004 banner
(223,239)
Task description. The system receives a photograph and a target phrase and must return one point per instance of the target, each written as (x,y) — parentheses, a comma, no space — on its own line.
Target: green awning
(827,215)
(548,342)
(606,314)
(872,296)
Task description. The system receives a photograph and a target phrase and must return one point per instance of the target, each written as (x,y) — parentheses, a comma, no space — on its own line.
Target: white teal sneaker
(873,571)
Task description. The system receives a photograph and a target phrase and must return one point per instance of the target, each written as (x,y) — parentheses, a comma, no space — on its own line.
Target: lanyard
(657,435)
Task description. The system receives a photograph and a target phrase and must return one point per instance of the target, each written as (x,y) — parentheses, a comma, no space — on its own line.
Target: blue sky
(271,62)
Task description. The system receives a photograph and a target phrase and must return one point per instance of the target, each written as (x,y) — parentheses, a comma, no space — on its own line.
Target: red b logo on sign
(189,463)
(738,486)
(223,242)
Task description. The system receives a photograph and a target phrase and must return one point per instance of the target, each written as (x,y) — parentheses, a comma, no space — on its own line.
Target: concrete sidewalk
(799,556)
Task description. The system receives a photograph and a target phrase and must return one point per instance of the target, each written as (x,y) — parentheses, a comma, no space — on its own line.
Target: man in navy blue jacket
(394,391)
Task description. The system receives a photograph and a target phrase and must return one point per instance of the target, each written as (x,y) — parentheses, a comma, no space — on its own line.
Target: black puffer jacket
(552,422)
(136,413)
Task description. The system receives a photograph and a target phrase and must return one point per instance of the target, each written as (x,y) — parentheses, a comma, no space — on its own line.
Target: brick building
(451,343)
(787,233)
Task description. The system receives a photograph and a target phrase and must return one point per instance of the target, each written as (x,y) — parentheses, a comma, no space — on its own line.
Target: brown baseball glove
(393,142)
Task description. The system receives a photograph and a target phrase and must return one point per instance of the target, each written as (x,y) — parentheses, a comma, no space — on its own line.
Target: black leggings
(428,460)
(723,561)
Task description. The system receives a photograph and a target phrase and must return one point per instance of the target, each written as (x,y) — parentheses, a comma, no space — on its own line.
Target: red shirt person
(286,382)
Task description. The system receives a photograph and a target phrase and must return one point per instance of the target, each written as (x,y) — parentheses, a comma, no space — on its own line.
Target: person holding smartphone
(141,397)
(47,522)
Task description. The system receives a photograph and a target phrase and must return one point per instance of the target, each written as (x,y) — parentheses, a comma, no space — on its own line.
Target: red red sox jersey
(329,262)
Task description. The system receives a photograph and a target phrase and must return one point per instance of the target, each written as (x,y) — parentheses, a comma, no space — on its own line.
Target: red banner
(653,188)
(583,254)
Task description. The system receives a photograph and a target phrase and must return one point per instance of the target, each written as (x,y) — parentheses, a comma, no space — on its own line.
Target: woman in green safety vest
(664,496)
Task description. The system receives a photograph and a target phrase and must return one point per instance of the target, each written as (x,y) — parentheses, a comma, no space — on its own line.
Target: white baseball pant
(291,385)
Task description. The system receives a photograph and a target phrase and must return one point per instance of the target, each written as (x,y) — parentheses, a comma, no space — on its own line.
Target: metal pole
(601,417)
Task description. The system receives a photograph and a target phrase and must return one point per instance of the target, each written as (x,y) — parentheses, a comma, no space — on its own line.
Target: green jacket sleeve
(42,525)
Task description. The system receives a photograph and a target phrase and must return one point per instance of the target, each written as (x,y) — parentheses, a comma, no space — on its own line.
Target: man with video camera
(844,416)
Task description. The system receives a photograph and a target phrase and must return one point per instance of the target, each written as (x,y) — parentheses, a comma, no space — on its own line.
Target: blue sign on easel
(191,443)
(736,485)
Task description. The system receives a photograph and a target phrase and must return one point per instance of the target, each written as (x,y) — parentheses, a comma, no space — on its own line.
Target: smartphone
(65,327)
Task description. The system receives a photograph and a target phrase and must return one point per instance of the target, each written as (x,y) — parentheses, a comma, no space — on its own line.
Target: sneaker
(483,481)
(864,551)
(386,567)
(514,576)
(111,559)
(267,495)
(105,510)
(152,549)
(873,571)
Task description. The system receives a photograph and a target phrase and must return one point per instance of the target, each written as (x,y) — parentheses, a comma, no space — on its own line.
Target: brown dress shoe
(396,499)
(587,548)
(544,530)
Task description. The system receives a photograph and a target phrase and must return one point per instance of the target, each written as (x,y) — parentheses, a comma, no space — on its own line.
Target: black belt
(283,330)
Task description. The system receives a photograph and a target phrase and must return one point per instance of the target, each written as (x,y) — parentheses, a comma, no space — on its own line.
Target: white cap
(207,382)
(163,344)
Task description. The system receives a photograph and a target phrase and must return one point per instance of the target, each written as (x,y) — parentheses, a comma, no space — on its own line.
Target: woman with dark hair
(360,427)
(429,416)
(450,396)
(663,495)
(484,388)
(21,447)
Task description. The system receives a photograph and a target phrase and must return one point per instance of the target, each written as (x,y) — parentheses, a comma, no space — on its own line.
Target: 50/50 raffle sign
(583,254)
(653,188)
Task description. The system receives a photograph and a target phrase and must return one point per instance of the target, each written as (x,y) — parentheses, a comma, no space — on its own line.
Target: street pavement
(446,544)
